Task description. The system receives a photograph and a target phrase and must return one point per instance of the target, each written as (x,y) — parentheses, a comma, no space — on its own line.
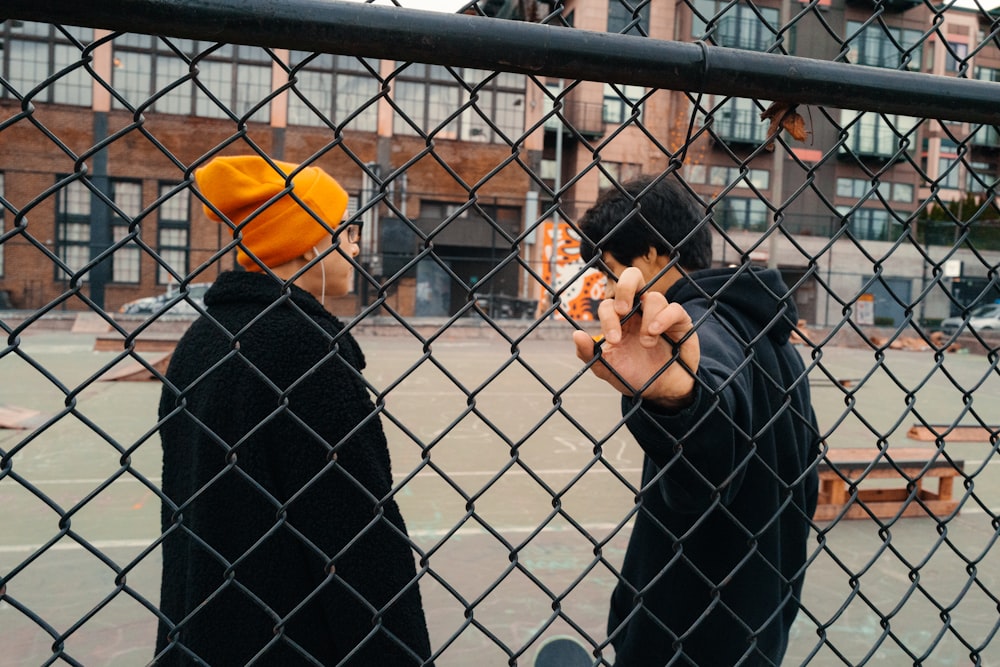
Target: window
(855,188)
(239,77)
(694,173)
(948,173)
(884,46)
(877,135)
(630,17)
(980,177)
(742,213)
(36,51)
(620,102)
(955,55)
(861,189)
(72,227)
(870,224)
(723,176)
(337,87)
(428,95)
(619,171)
(127,196)
(902,192)
(499,96)
(738,120)
(144,66)
(173,233)
(738,26)
(987,74)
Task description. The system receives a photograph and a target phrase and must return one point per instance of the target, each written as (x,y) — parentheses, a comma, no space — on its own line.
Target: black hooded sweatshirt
(282,541)
(715,563)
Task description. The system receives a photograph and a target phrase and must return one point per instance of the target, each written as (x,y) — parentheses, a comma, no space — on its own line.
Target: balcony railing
(587,118)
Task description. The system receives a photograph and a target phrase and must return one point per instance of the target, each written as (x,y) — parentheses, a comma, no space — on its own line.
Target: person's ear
(656,258)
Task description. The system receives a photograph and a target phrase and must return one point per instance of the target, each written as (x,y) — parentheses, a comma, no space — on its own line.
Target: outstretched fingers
(662,317)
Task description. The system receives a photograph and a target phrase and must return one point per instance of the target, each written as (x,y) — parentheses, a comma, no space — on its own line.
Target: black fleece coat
(282,539)
(715,563)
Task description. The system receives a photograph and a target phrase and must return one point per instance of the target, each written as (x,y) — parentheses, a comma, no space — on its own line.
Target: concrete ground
(915,591)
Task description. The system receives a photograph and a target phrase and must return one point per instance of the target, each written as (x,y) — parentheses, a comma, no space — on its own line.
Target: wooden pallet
(953,432)
(846,466)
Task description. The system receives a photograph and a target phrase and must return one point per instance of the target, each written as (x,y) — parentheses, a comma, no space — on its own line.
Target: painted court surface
(522,524)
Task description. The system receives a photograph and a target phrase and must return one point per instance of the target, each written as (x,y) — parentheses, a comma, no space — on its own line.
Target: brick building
(447,161)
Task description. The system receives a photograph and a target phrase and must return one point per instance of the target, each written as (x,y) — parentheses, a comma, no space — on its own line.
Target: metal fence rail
(471,147)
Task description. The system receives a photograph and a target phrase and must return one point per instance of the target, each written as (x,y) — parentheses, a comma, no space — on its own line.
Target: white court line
(465,531)
(426,472)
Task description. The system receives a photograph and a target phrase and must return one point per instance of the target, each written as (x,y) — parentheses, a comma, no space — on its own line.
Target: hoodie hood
(759,297)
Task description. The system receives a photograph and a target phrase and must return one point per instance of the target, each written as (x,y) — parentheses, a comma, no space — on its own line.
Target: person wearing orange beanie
(282,542)
(277,210)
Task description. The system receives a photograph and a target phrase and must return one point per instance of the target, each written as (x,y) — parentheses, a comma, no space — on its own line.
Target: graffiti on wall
(578,293)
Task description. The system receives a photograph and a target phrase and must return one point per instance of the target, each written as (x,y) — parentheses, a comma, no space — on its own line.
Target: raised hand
(641,350)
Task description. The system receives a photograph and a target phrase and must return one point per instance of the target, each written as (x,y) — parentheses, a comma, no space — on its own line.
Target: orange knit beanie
(273,232)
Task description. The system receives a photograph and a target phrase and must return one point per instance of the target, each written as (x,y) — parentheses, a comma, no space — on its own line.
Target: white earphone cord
(322,272)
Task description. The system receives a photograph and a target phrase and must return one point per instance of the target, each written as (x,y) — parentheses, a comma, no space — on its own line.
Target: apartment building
(449,215)
(860,181)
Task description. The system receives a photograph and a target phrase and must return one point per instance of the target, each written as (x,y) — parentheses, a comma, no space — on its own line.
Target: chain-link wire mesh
(514,467)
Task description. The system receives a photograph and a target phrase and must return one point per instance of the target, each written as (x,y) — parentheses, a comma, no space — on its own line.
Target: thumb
(584,345)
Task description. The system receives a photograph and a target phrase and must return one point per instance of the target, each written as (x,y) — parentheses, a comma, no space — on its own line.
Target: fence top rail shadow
(365,30)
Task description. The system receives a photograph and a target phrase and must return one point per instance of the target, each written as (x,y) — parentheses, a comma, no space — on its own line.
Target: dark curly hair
(649,211)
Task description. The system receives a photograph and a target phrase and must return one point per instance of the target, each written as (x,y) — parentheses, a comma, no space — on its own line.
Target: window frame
(182,249)
(337,76)
(74,88)
(73,211)
(130,250)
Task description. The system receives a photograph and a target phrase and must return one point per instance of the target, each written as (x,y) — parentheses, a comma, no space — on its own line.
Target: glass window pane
(409,97)
(176,208)
(353,93)
(128,197)
(509,114)
(217,77)
(76,199)
(442,102)
(252,86)
(134,40)
(132,76)
(73,87)
(33,28)
(29,64)
(82,35)
(317,88)
(169,70)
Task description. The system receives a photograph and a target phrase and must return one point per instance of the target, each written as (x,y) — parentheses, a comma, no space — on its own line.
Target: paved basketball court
(515,435)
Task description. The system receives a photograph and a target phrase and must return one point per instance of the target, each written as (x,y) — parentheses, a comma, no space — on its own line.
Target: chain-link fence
(851,148)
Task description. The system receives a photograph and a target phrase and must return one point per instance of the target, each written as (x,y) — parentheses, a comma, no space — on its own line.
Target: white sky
(452,6)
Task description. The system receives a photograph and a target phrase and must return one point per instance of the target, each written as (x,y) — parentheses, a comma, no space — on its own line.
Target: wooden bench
(844,466)
(953,432)
(148,341)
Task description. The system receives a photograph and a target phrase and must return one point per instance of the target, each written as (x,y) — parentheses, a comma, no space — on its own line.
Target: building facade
(462,177)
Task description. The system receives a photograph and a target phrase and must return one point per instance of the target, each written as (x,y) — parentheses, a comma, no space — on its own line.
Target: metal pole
(361,29)
(556,187)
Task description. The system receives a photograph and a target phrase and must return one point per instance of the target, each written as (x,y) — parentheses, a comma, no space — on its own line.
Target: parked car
(156,304)
(983,318)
